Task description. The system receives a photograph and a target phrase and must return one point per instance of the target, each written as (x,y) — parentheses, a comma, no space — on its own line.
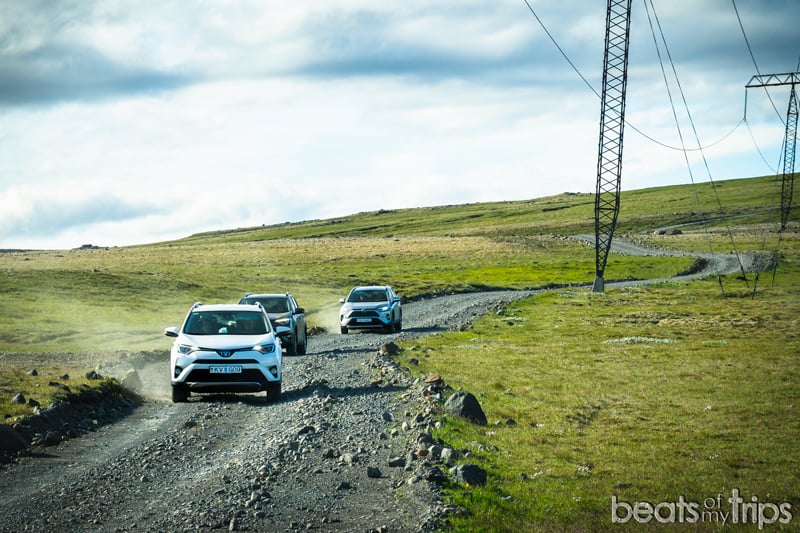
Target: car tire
(274,391)
(343,329)
(292,348)
(302,348)
(180,393)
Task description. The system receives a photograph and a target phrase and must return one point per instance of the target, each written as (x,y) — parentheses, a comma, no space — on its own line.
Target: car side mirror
(341,300)
(299,311)
(171,332)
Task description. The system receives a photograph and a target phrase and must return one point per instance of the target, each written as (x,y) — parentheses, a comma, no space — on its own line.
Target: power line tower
(612,122)
(790,138)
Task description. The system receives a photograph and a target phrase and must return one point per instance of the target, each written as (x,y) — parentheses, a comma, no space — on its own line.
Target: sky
(138,121)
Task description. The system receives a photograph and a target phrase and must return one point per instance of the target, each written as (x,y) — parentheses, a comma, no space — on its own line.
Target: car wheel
(303,347)
(274,391)
(399,326)
(180,393)
(343,329)
(292,348)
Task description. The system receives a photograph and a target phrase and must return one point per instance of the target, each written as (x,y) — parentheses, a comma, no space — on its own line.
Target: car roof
(227,307)
(370,287)
(266,295)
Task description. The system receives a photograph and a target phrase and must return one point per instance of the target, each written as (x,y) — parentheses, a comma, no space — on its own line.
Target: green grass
(40,388)
(122,298)
(648,394)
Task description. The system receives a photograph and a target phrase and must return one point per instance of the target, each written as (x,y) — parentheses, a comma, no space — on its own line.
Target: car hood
(226,342)
(364,305)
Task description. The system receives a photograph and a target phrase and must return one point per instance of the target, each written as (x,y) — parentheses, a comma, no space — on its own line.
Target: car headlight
(383,308)
(265,348)
(283,322)
(186,349)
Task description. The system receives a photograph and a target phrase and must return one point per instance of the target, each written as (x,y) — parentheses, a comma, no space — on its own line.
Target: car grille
(225,362)
(202,375)
(363,313)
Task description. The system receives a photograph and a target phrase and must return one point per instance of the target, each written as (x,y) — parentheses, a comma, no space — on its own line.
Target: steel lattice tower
(612,122)
(790,138)
(787,183)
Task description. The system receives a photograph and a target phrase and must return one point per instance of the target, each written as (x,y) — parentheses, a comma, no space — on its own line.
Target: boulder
(465,405)
(469,474)
(11,441)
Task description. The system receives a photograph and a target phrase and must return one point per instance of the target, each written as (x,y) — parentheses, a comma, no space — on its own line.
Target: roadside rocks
(78,413)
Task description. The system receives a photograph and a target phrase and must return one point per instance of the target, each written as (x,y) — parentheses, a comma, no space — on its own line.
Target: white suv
(371,307)
(225,348)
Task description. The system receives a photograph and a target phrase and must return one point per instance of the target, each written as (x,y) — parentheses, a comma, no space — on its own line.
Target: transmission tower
(790,138)
(612,122)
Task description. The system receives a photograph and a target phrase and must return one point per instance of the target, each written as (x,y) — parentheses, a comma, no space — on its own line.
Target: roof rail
(196,304)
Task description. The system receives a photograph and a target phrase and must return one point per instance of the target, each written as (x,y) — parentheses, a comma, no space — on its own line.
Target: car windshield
(370,295)
(226,323)
(278,304)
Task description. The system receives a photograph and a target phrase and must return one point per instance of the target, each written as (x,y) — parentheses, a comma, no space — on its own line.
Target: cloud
(145,122)
(36,214)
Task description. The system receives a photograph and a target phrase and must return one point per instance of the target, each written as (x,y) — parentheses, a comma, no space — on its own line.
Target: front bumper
(255,372)
(366,319)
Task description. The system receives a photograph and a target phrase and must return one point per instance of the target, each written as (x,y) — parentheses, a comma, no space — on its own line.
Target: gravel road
(337,453)
(319,459)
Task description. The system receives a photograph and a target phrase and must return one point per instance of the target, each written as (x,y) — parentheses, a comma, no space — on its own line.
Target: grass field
(650,394)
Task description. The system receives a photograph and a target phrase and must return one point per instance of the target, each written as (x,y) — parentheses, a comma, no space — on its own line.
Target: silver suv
(288,319)
(225,348)
(371,307)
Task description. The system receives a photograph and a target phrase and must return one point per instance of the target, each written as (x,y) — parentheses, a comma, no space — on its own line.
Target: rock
(32,372)
(18,398)
(465,405)
(10,440)
(389,349)
(449,454)
(469,474)
(373,472)
(51,438)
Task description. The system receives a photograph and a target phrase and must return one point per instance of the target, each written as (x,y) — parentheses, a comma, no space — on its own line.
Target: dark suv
(288,319)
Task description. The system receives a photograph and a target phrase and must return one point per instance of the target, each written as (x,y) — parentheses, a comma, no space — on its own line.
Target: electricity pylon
(790,138)
(612,122)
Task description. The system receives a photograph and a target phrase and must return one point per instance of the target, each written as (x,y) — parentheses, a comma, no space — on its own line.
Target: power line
(691,122)
(591,88)
(753,57)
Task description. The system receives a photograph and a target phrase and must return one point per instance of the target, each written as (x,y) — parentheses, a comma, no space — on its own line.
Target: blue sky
(137,121)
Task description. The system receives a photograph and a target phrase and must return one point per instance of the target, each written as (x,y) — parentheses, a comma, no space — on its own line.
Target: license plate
(363,320)
(228,369)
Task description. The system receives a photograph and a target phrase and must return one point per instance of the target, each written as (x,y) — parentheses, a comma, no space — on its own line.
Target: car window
(226,323)
(277,304)
(368,296)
